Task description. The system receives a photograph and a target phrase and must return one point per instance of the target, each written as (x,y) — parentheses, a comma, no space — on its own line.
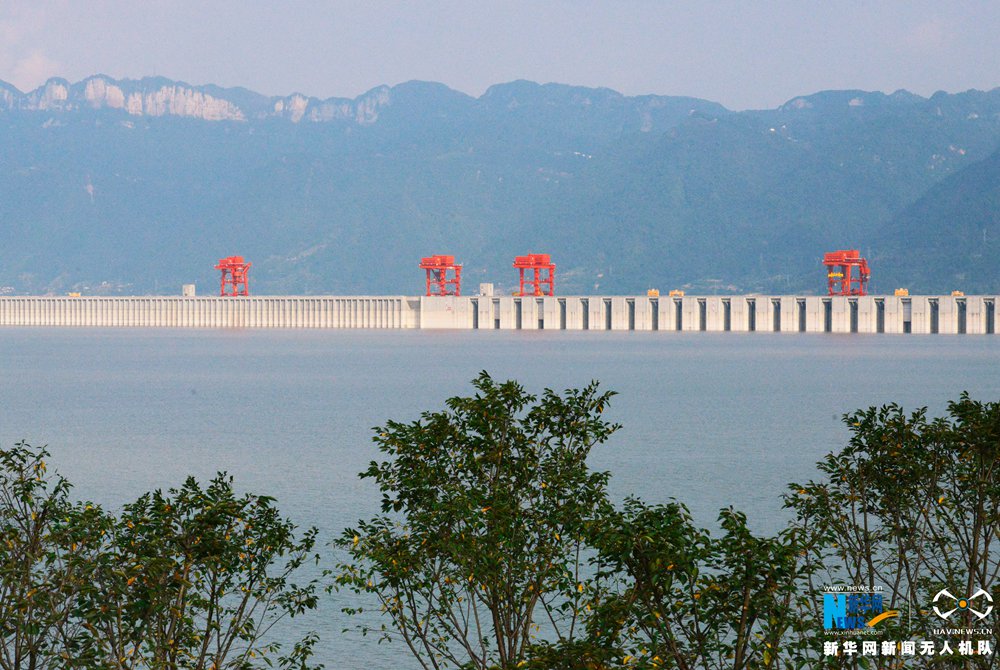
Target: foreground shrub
(484,511)
(912,505)
(193,578)
(492,523)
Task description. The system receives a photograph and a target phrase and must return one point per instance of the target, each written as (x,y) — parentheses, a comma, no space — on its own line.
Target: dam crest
(737,313)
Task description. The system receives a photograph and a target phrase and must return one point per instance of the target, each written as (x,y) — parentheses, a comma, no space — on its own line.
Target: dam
(948,314)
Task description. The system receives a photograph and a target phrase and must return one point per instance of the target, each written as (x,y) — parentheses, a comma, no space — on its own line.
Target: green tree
(668,594)
(196,578)
(911,505)
(40,528)
(485,507)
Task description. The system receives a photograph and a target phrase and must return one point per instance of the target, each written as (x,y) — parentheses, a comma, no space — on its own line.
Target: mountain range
(137,186)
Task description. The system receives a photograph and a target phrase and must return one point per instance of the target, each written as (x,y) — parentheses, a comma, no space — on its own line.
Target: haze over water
(710,419)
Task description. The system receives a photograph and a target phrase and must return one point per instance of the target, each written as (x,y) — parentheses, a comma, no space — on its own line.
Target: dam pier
(948,314)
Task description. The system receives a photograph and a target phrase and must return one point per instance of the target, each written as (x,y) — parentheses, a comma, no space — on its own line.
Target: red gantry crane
(438,281)
(235,275)
(840,272)
(544,274)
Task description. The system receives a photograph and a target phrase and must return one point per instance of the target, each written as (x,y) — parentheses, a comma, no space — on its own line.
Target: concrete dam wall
(213,312)
(741,313)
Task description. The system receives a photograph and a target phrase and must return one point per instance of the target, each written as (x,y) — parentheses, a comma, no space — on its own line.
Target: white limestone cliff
(159,97)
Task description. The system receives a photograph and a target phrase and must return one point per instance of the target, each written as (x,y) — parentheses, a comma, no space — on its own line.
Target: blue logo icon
(850,611)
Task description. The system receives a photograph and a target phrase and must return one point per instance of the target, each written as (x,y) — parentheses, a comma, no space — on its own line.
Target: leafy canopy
(485,506)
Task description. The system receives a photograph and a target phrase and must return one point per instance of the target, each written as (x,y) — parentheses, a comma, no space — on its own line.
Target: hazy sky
(747,54)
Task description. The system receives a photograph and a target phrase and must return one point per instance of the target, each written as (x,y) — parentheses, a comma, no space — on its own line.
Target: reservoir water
(710,419)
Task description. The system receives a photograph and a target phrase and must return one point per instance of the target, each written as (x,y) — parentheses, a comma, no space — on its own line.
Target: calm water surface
(712,419)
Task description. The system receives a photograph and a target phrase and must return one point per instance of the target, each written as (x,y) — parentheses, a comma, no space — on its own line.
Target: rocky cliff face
(8,96)
(176,100)
(528,101)
(161,97)
(363,110)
